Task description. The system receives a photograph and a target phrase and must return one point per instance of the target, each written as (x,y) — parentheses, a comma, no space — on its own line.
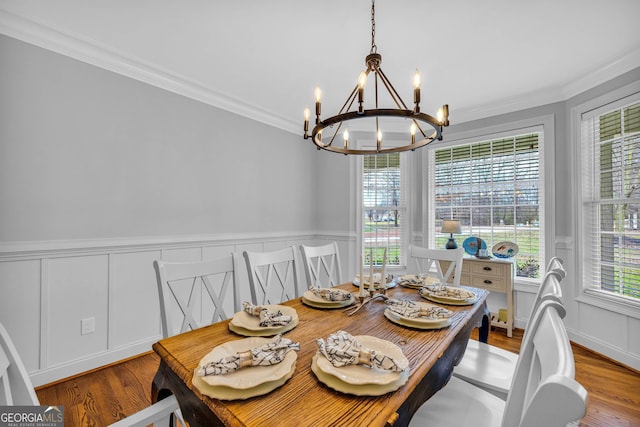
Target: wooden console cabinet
(495,275)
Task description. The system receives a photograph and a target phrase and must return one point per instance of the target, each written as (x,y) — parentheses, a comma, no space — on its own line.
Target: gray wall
(86,154)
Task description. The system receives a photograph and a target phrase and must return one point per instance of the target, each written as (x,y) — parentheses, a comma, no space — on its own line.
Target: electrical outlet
(88,325)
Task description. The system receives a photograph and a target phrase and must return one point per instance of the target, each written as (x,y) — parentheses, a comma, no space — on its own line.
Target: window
(610,142)
(493,187)
(384,208)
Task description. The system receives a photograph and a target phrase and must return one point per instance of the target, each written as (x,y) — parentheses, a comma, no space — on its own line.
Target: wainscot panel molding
(48,288)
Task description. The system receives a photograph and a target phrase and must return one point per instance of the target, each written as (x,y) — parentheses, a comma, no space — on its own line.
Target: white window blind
(494,189)
(384,208)
(610,139)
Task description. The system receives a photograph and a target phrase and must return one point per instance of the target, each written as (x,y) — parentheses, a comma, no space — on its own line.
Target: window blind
(611,199)
(493,188)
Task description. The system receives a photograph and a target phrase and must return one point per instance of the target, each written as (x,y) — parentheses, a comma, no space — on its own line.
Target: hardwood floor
(100,397)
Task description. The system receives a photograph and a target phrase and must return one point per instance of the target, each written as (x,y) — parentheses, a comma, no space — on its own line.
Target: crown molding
(92,52)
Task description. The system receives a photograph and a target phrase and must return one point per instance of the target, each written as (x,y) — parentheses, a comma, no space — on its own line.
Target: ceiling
(263,59)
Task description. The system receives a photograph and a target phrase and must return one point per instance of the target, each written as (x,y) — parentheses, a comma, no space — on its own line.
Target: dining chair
(492,368)
(427,261)
(15,385)
(322,265)
(273,276)
(193,294)
(543,390)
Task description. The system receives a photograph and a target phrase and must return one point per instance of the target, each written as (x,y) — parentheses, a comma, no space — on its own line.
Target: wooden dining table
(305,401)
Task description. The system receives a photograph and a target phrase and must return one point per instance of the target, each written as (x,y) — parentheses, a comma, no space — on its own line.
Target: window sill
(621,305)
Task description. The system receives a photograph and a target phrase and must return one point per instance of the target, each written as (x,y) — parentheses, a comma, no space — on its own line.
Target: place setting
(450,295)
(263,320)
(361,365)
(417,281)
(245,368)
(327,298)
(419,315)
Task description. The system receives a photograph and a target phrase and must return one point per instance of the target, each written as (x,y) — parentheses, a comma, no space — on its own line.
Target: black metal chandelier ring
(316,133)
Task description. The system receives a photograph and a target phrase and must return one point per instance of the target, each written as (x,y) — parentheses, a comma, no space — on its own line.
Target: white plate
(357,389)
(251,376)
(252,323)
(422,281)
(265,332)
(361,374)
(328,304)
(451,299)
(421,319)
(229,393)
(313,298)
(391,284)
(414,323)
(505,250)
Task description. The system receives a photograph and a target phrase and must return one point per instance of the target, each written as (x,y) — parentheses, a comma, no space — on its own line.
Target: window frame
(364,139)
(545,125)
(586,293)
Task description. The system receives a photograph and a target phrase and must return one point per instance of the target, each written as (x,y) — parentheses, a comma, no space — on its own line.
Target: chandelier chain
(374,48)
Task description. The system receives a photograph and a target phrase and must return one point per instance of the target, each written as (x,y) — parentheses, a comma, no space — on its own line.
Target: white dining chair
(273,276)
(158,415)
(491,367)
(322,265)
(193,294)
(426,261)
(15,384)
(543,391)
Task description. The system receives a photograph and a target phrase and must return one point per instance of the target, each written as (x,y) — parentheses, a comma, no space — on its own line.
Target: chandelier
(418,123)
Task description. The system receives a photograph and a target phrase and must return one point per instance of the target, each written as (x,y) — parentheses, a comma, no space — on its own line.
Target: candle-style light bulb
(416,91)
(379,135)
(417,80)
(440,115)
(318,94)
(307,114)
(413,129)
(345,135)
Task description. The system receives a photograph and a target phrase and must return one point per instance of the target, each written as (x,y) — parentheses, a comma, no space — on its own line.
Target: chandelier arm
(392,90)
(397,98)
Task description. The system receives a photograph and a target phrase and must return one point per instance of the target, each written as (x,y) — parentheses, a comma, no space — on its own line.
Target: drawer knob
(488,282)
(487,269)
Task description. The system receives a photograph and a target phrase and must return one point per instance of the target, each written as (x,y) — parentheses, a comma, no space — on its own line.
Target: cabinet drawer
(490,283)
(492,269)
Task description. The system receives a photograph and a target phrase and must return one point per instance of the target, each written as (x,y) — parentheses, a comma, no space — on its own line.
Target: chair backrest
(273,276)
(427,261)
(322,265)
(550,286)
(192,294)
(15,385)
(556,265)
(543,389)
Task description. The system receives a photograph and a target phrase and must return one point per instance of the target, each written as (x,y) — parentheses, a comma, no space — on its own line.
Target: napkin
(269,354)
(331,294)
(446,291)
(342,349)
(410,309)
(267,317)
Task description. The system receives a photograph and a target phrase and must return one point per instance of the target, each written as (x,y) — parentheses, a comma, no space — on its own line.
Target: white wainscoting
(47,288)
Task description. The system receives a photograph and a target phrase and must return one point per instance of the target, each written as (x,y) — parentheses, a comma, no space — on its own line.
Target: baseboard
(81,366)
(605,350)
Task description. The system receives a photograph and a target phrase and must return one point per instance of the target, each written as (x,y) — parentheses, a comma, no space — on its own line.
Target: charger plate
(357,389)
(268,332)
(230,393)
(361,374)
(248,377)
(312,300)
(244,320)
(416,323)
